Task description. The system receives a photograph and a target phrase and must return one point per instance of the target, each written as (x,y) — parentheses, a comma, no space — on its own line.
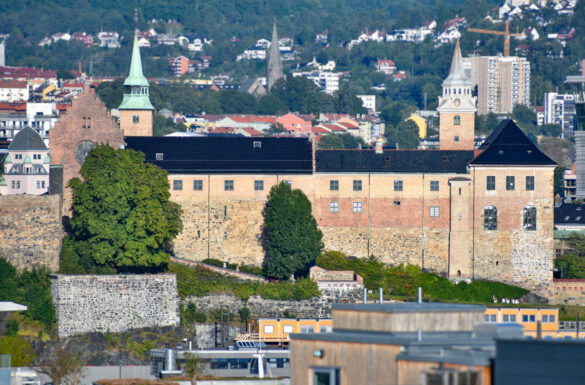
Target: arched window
(529,214)
(457,120)
(490,218)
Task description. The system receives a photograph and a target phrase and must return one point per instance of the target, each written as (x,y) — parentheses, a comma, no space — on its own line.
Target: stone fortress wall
(31,230)
(114,303)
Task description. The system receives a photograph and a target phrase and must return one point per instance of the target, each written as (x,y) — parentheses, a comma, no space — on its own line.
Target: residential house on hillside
(61,36)
(386,66)
(26,167)
(83,37)
(296,124)
(322,38)
(109,39)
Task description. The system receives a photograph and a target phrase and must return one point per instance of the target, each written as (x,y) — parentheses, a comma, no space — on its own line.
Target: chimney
(379,147)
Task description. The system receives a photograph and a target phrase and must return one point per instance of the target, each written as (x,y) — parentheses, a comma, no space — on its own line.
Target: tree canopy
(291,238)
(122,216)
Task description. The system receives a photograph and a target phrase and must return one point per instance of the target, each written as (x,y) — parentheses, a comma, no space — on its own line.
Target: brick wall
(30,230)
(86,120)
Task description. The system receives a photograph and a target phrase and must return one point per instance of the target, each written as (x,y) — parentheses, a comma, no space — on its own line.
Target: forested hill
(222,19)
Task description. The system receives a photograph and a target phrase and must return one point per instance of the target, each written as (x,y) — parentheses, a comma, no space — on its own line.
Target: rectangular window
(326,376)
(307,329)
(177,185)
(492,318)
(334,185)
(510,183)
(17,184)
(545,318)
(551,318)
(396,203)
(43,184)
(524,318)
(228,185)
(326,329)
(434,185)
(490,182)
(38,184)
(198,185)
(333,207)
(135,118)
(357,185)
(398,185)
(357,207)
(530,183)
(434,211)
(513,318)
(258,185)
(268,329)
(287,329)
(486,318)
(506,318)
(12,184)
(532,318)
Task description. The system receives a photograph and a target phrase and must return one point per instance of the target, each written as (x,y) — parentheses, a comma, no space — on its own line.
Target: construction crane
(506,35)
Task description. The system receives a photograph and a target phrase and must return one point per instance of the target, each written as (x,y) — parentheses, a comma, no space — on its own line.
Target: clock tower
(457,108)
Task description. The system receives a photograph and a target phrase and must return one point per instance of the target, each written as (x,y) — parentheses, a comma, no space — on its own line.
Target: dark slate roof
(508,145)
(570,214)
(226,155)
(433,161)
(27,139)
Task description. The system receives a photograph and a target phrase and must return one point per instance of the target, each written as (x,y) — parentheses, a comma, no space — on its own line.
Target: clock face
(457,102)
(82,149)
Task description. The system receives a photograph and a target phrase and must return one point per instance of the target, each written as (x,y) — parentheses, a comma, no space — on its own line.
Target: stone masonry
(30,229)
(114,303)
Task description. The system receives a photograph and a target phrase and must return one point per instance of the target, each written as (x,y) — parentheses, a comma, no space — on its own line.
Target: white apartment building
(369,102)
(327,82)
(12,91)
(560,109)
(41,117)
(502,82)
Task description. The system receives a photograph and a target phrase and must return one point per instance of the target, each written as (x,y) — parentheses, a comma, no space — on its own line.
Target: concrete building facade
(502,83)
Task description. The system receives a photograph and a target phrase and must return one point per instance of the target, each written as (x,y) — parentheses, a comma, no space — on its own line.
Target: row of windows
(492,318)
(357,207)
(490,218)
(510,183)
(398,185)
(228,185)
(288,329)
(15,184)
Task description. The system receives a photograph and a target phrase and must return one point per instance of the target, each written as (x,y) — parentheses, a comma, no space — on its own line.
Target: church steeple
(274,62)
(136,85)
(136,109)
(457,108)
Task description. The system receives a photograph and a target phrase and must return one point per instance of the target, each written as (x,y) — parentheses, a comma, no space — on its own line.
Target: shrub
(403,280)
(244,313)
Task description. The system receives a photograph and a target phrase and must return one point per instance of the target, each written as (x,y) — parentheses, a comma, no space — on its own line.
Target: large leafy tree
(122,216)
(291,238)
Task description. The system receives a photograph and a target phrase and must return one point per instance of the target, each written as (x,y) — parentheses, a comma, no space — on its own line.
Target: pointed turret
(136,85)
(136,110)
(457,107)
(274,62)
(457,76)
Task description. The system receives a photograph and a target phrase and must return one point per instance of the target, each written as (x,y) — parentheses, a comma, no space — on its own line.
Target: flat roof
(410,307)
(11,306)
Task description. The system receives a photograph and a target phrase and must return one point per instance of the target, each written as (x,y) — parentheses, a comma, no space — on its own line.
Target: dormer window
(159,156)
(257,144)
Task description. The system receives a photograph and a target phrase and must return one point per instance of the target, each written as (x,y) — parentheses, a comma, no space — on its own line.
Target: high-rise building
(560,109)
(136,110)
(502,82)
(457,108)
(274,62)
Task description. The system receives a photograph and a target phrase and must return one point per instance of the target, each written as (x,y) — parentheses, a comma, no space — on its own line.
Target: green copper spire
(136,85)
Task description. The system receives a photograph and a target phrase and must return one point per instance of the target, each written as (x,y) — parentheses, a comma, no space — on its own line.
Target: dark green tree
(291,239)
(122,216)
(331,141)
(558,180)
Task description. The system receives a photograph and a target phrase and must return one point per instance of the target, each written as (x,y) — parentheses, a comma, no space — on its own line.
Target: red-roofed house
(295,124)
(259,123)
(83,37)
(248,131)
(13,91)
(386,65)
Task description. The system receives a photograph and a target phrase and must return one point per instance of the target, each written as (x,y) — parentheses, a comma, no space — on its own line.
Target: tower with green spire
(136,110)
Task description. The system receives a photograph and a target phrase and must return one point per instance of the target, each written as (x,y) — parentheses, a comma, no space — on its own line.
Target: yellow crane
(506,35)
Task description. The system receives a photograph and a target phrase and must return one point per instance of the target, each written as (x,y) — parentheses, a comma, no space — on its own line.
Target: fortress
(482,213)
